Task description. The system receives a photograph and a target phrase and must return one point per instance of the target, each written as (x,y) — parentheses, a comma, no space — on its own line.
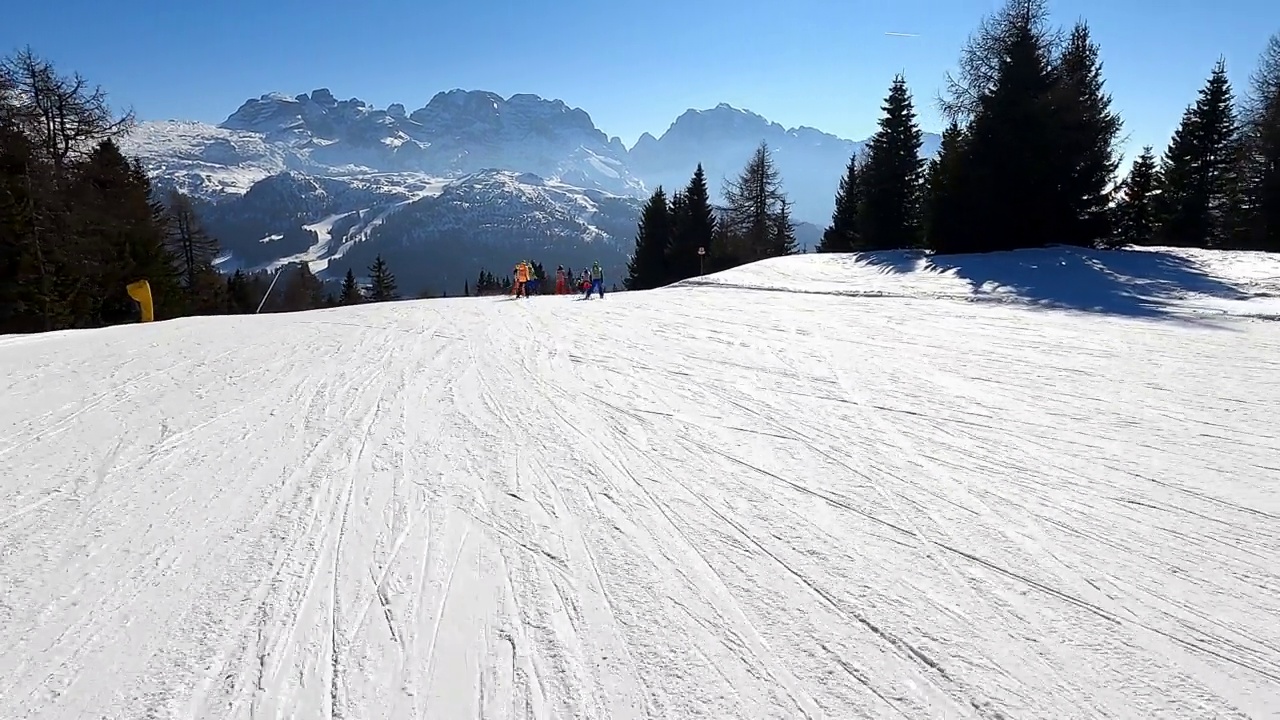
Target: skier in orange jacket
(562,281)
(521,277)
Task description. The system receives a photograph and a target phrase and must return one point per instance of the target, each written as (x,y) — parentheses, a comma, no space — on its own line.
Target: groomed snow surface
(1042,484)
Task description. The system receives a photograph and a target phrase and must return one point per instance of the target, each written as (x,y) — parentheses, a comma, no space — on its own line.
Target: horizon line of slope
(1144,282)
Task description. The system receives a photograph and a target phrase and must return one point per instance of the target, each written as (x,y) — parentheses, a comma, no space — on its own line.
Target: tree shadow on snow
(895,261)
(1129,283)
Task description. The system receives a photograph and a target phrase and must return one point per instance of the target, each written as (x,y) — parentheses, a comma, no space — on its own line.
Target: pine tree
(240,294)
(1008,180)
(1136,211)
(1088,133)
(782,239)
(844,234)
(755,211)
(71,209)
(892,177)
(693,227)
(677,211)
(22,304)
(302,289)
(647,267)
(1201,197)
(1261,156)
(382,284)
(944,209)
(350,293)
(121,237)
(722,254)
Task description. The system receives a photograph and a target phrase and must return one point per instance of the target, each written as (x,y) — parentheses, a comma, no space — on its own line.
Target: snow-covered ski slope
(855,495)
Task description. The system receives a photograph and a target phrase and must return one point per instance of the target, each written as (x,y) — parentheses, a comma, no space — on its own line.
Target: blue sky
(634,66)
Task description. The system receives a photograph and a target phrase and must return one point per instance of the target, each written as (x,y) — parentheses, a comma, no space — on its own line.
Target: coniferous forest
(79,221)
(1030,157)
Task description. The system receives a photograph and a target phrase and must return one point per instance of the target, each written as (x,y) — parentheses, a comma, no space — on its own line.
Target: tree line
(79,221)
(685,235)
(1030,158)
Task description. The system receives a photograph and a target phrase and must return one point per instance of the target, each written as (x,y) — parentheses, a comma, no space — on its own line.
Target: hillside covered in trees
(79,221)
(1030,158)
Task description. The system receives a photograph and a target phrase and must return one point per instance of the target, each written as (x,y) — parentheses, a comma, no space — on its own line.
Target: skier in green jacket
(597,281)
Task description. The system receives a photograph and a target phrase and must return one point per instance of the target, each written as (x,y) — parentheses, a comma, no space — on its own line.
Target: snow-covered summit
(456,133)
(462,131)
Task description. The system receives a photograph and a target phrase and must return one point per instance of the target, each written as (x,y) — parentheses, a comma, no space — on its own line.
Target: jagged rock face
(457,132)
(310,177)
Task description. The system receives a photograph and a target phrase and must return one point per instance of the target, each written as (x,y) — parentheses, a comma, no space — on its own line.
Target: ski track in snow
(690,503)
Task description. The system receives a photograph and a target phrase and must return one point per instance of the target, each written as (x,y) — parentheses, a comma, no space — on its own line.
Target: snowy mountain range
(469,180)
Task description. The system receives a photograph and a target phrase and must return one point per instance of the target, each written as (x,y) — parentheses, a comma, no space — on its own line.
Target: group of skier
(525,281)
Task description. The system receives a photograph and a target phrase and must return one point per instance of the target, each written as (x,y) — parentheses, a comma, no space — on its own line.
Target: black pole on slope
(702,256)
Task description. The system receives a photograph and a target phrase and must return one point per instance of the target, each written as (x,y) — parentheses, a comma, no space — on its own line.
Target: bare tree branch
(64,116)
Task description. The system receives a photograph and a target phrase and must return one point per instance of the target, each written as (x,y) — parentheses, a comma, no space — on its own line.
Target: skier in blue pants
(597,281)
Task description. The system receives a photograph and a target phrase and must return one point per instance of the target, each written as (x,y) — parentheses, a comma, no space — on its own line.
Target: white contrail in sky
(898,34)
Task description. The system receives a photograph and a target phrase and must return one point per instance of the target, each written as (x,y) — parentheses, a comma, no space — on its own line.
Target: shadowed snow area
(869,493)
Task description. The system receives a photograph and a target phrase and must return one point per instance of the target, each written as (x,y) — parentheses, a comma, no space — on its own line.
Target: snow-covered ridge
(456,133)
(461,131)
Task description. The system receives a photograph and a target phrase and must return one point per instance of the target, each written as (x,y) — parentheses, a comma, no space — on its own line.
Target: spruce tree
(121,237)
(724,252)
(782,240)
(693,227)
(302,289)
(350,293)
(20,267)
(1087,133)
(892,177)
(238,300)
(647,267)
(1009,178)
(677,213)
(1261,157)
(843,234)
(944,209)
(1200,200)
(382,283)
(1136,212)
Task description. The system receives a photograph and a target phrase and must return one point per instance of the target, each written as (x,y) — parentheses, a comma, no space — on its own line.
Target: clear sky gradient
(634,66)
